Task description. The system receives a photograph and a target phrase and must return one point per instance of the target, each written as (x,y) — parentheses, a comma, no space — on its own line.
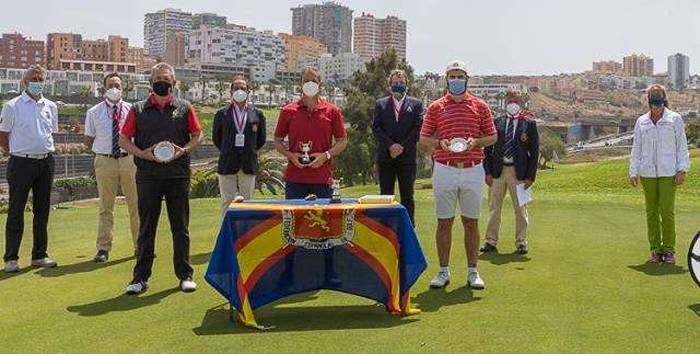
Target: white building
(156,25)
(679,71)
(261,51)
(336,69)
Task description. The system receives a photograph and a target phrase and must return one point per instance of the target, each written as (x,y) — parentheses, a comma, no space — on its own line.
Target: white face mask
(114,94)
(513,108)
(240,96)
(310,88)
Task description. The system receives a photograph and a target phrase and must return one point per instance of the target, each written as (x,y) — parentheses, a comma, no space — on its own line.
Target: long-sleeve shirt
(661,149)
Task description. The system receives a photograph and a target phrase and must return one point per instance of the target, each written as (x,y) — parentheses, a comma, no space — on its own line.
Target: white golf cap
(456,65)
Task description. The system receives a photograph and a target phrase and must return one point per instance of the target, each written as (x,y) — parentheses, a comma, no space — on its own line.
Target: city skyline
(508,44)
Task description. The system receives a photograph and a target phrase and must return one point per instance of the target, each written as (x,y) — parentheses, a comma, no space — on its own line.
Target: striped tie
(510,139)
(116,151)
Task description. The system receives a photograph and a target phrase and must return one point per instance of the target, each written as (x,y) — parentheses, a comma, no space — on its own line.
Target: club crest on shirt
(318,229)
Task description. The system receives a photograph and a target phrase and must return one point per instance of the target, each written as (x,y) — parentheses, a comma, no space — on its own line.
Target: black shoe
(488,248)
(101,256)
(521,249)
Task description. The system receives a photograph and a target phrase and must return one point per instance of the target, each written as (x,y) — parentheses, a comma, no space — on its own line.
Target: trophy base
(311,159)
(335,200)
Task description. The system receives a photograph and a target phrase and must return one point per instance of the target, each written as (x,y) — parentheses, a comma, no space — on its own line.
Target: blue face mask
(656,101)
(35,88)
(457,86)
(398,88)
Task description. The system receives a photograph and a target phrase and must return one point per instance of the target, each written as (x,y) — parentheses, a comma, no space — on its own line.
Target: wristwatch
(328,155)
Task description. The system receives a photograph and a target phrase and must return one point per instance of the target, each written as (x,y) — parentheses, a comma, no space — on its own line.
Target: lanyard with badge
(239,119)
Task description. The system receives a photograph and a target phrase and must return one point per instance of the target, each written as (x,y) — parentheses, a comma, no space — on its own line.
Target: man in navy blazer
(396,125)
(238,132)
(510,162)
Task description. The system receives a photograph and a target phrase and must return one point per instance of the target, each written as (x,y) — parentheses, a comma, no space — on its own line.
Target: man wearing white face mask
(457,127)
(114,168)
(314,123)
(510,162)
(27,125)
(238,132)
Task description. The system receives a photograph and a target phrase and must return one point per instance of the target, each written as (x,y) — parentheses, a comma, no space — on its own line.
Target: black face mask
(162,88)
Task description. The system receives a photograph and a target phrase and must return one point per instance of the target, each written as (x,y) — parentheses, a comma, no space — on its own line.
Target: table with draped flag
(267,250)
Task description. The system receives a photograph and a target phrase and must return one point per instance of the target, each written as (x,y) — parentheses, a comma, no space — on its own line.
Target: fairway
(584,286)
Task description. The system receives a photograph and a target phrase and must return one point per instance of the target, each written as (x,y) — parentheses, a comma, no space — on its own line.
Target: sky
(492,36)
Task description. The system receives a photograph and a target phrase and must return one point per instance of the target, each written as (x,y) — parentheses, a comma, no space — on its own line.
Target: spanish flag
(268,250)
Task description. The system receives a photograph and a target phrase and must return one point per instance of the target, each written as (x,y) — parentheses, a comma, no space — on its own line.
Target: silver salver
(164,151)
(458,145)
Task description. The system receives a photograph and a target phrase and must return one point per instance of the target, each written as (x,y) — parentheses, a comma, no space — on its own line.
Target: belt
(123,154)
(32,156)
(461,165)
(509,164)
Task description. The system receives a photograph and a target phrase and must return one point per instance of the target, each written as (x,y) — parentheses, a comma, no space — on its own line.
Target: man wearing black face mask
(238,132)
(396,125)
(162,118)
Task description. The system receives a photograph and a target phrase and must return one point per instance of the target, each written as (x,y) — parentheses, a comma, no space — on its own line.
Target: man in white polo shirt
(27,123)
(114,168)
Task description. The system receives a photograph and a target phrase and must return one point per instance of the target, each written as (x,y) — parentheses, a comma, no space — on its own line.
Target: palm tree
(184,88)
(271,87)
(128,87)
(254,86)
(203,81)
(221,87)
(287,85)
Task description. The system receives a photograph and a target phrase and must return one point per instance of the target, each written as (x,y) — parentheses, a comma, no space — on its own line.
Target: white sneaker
(474,281)
(11,267)
(136,288)
(442,278)
(45,262)
(187,285)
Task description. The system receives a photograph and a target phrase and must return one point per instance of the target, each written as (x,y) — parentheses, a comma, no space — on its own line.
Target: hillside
(625,104)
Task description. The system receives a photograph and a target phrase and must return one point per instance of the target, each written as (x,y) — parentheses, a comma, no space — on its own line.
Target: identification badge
(240,140)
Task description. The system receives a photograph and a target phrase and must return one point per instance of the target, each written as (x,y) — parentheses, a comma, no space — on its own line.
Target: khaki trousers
(112,174)
(507,182)
(234,185)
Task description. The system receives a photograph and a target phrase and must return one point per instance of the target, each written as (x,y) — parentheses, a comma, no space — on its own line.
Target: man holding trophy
(310,125)
(164,130)
(457,126)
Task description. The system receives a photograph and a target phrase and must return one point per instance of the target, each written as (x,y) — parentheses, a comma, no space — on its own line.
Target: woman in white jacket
(660,162)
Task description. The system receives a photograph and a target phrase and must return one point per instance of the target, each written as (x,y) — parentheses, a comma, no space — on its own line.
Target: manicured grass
(584,287)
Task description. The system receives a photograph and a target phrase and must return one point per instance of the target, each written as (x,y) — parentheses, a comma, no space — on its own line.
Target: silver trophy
(164,151)
(305,158)
(335,186)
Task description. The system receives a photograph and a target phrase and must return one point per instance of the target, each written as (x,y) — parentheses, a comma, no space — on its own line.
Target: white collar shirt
(30,124)
(98,124)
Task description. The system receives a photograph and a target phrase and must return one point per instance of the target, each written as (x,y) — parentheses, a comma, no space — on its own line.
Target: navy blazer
(405,132)
(231,158)
(526,152)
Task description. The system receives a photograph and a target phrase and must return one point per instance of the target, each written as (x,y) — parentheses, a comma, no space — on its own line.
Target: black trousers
(150,194)
(389,172)
(25,174)
(300,191)
(294,190)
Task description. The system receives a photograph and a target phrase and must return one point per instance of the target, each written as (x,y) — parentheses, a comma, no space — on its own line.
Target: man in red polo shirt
(311,122)
(458,175)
